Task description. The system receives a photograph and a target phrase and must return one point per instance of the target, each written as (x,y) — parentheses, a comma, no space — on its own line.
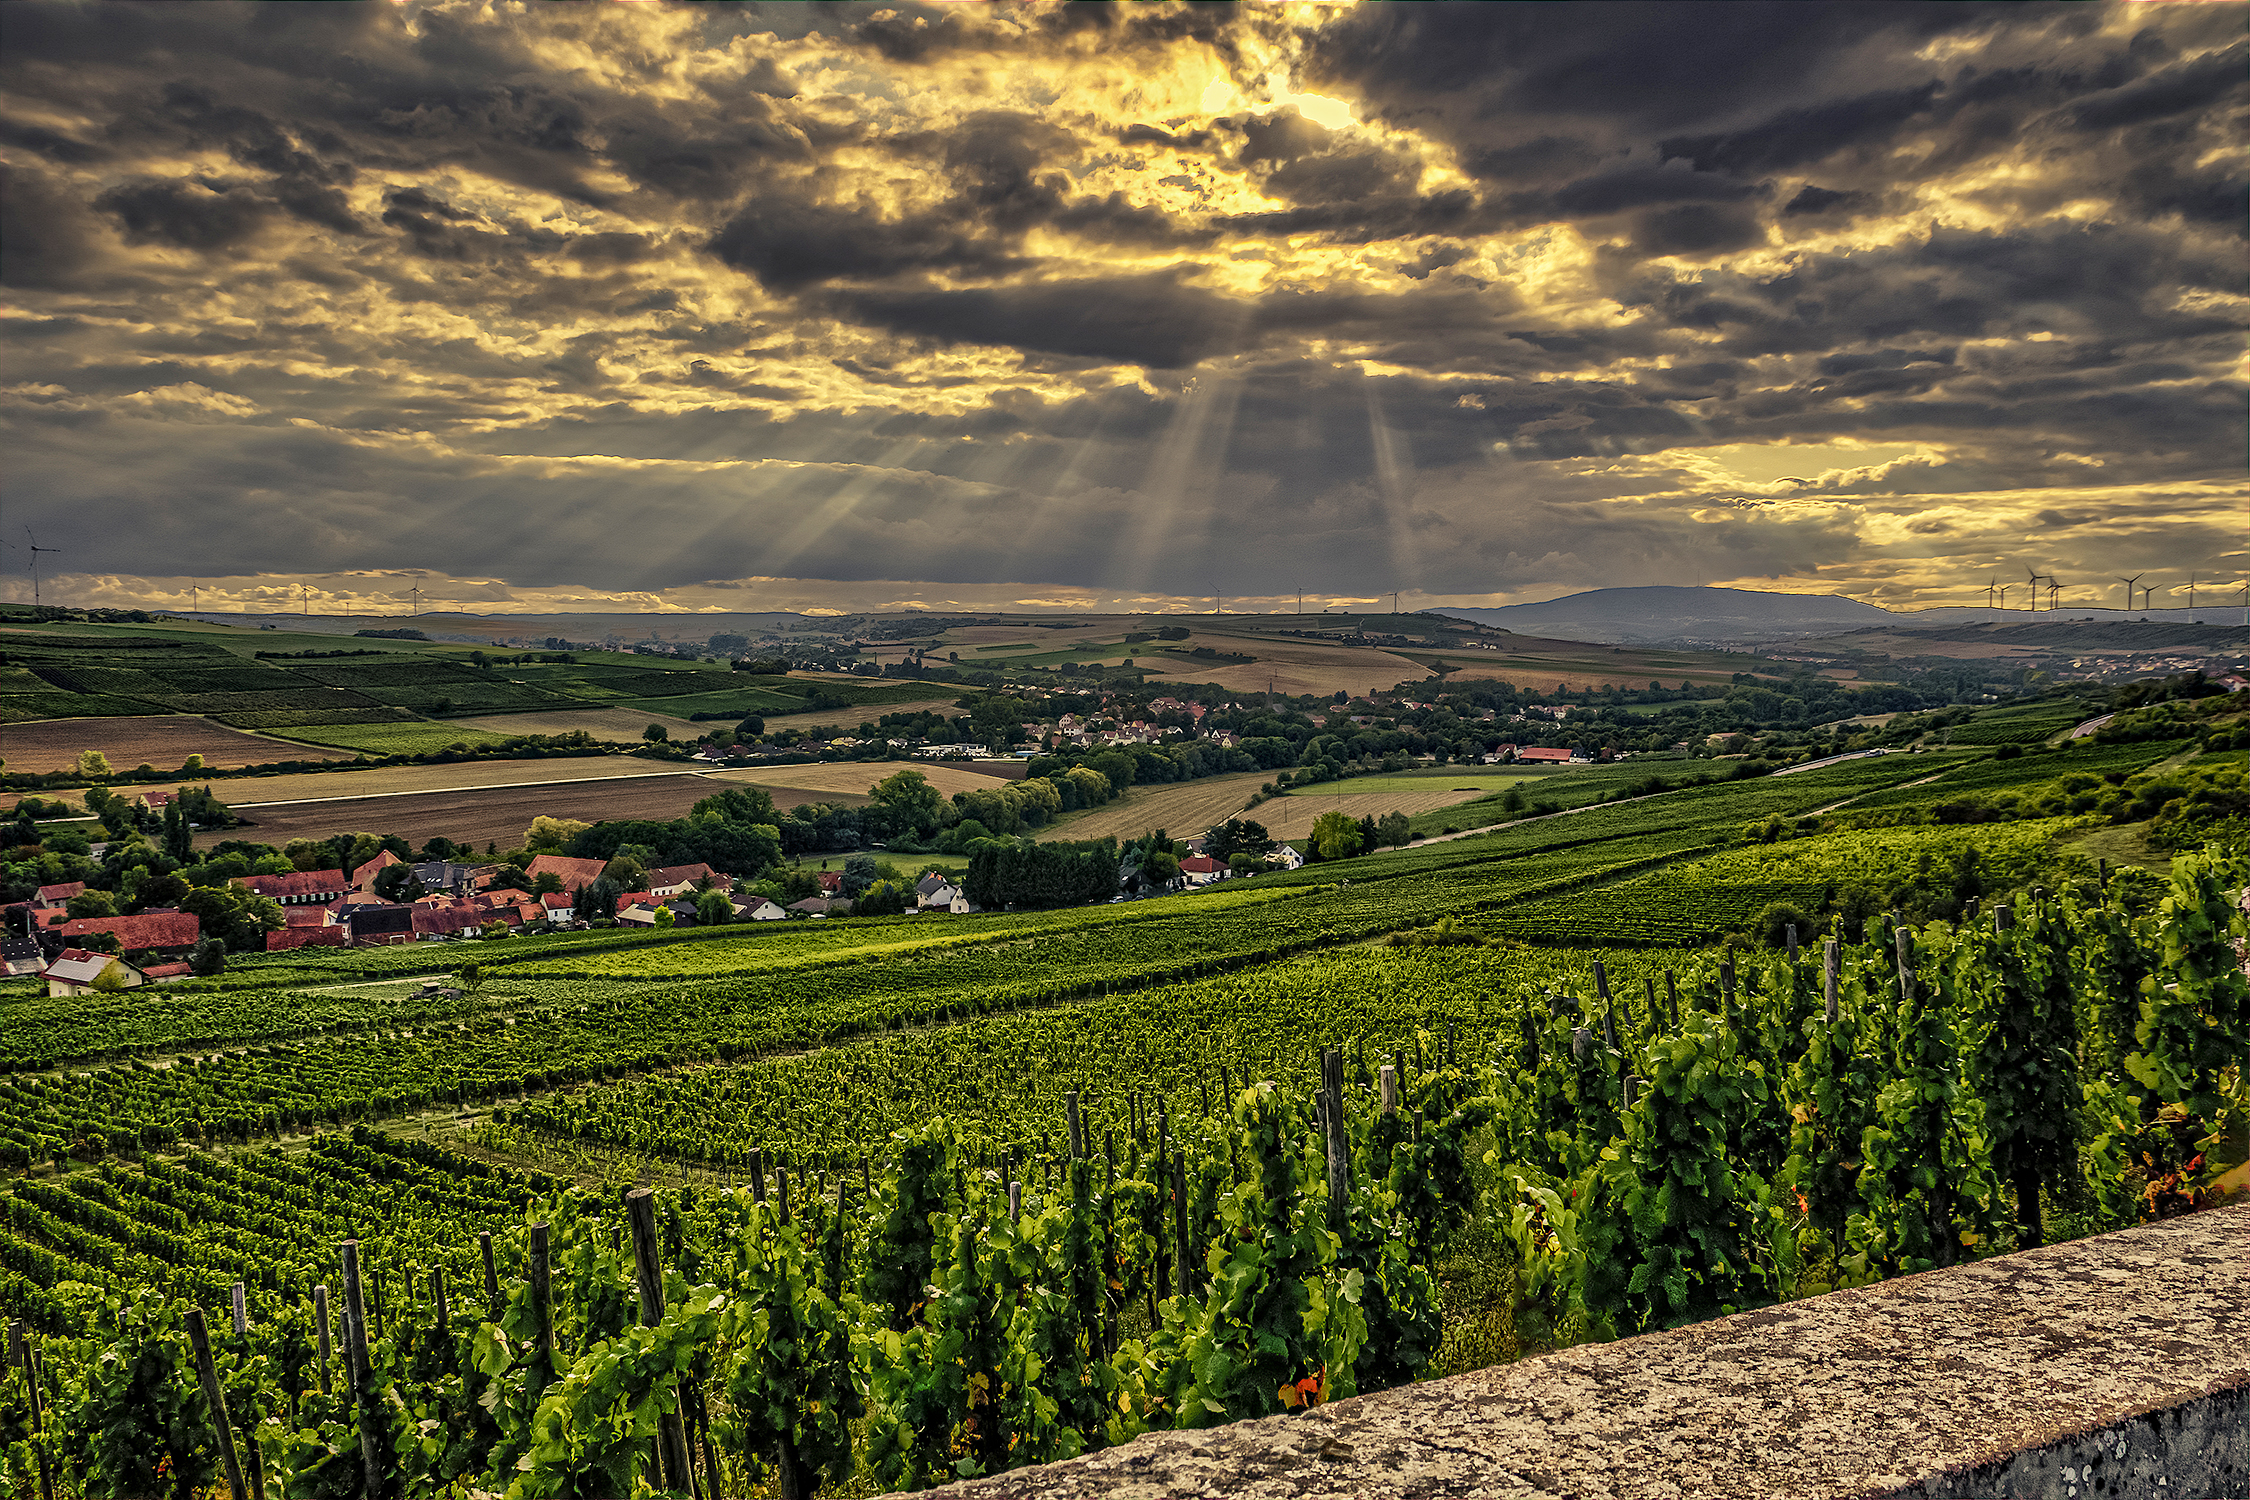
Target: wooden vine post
(19,1355)
(358,1376)
(491,1274)
(1339,1144)
(320,1332)
(537,1272)
(648,1273)
(230,1464)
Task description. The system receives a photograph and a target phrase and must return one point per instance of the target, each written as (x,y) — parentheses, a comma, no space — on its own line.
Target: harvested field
(856,777)
(621,725)
(1292,817)
(496,815)
(1294,666)
(157,740)
(383,780)
(1182,809)
(852,718)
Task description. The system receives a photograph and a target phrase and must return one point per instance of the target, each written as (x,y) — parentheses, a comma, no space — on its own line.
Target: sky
(1149,306)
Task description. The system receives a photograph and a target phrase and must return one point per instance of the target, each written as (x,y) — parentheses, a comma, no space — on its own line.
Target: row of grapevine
(267,1090)
(1722,1138)
(1698,901)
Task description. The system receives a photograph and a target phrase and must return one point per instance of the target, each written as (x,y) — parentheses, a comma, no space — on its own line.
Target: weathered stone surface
(2115,1366)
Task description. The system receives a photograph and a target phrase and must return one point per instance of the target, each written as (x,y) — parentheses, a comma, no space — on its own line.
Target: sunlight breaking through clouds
(1053,302)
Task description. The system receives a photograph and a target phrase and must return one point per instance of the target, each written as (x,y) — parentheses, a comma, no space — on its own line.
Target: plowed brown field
(159,740)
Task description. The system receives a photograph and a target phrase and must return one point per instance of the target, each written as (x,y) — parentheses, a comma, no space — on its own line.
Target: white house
(1286,857)
(939,898)
(961,905)
(74,971)
(1201,869)
(767,911)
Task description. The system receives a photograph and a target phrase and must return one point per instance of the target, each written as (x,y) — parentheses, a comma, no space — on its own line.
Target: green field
(417,738)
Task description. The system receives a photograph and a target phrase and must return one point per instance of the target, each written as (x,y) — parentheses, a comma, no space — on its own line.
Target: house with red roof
(574,874)
(677,880)
(1201,869)
(1538,755)
(166,932)
(560,906)
(298,887)
(58,895)
(363,878)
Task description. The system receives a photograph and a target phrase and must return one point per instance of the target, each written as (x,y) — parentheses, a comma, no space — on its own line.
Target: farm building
(675,880)
(164,932)
(573,873)
(57,895)
(298,887)
(76,972)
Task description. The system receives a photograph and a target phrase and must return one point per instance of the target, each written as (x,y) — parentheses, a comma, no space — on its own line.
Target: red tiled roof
(1200,864)
(1536,753)
(681,875)
(167,971)
(307,916)
(63,892)
(573,873)
(556,901)
(296,883)
(177,929)
(445,921)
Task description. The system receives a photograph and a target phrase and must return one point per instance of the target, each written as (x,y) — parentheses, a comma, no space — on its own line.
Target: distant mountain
(1665,613)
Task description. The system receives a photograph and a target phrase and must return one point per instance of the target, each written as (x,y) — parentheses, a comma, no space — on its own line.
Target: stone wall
(2117,1366)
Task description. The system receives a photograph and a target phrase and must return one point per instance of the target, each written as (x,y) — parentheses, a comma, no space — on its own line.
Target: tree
(885,898)
(209,958)
(656,734)
(860,872)
(1395,829)
(909,804)
(92,764)
(714,908)
(192,766)
(470,977)
(399,883)
(1236,836)
(235,916)
(664,917)
(546,883)
(552,835)
(91,904)
(751,728)
(112,978)
(1335,836)
(1160,867)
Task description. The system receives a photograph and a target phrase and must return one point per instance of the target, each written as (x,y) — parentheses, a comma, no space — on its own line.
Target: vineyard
(940,1197)
(1011,1237)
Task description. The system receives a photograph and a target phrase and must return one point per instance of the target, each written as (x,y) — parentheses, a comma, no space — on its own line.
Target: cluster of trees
(1338,836)
(1027,874)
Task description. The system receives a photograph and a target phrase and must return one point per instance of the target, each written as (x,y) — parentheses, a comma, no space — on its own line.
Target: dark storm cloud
(881,290)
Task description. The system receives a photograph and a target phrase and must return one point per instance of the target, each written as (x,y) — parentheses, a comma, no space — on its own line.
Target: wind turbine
(1990,587)
(2033,575)
(414,600)
(304,598)
(2054,588)
(36,549)
(2129,582)
(2191,597)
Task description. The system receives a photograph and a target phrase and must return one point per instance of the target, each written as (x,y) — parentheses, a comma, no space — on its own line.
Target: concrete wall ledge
(2117,1367)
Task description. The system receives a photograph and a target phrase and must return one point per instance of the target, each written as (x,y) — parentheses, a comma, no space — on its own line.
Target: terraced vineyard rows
(1004,1078)
(1699,901)
(2082,758)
